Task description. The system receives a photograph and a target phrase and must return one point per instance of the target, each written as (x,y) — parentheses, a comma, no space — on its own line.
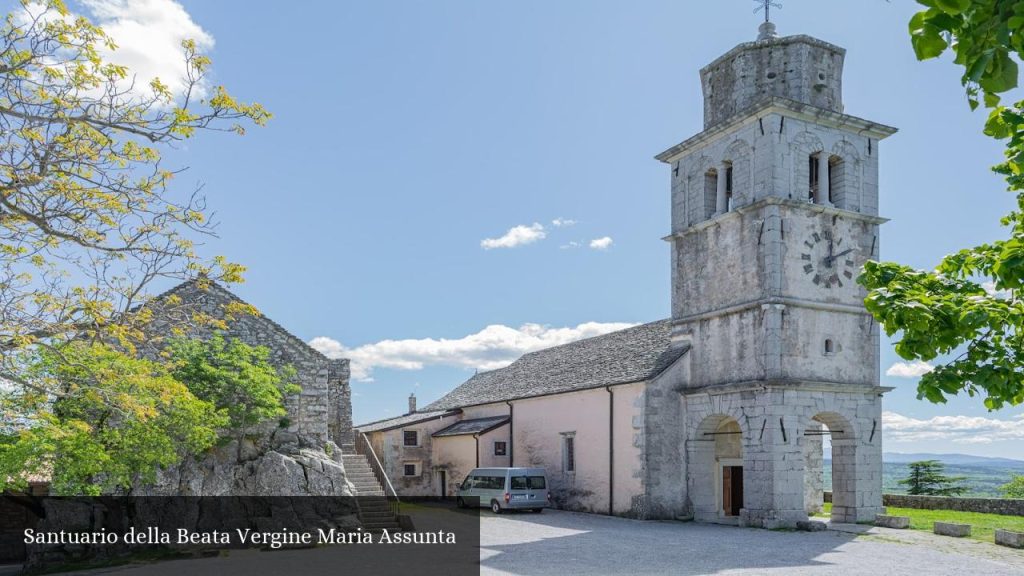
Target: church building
(719,412)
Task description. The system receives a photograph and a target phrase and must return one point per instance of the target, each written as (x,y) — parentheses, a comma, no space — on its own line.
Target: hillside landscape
(982,475)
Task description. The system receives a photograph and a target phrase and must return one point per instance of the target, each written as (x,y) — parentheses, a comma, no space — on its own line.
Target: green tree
(236,378)
(926,478)
(117,420)
(1014,488)
(89,220)
(969,306)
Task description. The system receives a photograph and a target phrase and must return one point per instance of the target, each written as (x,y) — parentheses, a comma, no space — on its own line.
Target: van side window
(493,483)
(518,483)
(536,483)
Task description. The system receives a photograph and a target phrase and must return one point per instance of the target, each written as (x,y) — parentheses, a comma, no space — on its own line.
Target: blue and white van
(503,489)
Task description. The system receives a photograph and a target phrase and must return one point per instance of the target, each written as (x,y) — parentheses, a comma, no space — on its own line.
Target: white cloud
(571,245)
(517,236)
(148,34)
(914,369)
(601,243)
(563,222)
(959,429)
(990,287)
(493,347)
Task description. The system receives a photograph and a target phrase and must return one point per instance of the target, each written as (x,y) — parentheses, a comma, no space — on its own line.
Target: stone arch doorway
(837,431)
(716,470)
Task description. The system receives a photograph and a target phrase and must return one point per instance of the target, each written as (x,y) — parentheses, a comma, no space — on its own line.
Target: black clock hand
(837,256)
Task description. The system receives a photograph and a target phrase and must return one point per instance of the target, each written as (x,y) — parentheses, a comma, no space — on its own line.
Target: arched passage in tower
(716,469)
(837,431)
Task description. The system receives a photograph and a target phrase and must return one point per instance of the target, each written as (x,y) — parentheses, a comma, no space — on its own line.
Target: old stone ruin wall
(301,454)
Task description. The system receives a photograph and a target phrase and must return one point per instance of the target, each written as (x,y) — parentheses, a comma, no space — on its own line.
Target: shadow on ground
(571,543)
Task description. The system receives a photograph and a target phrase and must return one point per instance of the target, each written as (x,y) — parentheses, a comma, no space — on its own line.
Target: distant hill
(982,476)
(953,459)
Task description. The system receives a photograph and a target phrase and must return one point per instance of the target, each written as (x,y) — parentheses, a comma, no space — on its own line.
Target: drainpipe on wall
(511,435)
(611,451)
(476,438)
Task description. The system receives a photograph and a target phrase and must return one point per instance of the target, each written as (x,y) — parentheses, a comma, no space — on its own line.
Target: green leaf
(1002,73)
(953,7)
(928,42)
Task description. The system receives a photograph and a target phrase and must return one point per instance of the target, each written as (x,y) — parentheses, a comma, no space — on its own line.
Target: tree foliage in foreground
(89,220)
(927,479)
(144,415)
(237,378)
(1014,488)
(969,306)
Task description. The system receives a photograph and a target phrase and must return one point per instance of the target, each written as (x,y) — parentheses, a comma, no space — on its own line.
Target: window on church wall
(710,193)
(568,453)
(837,182)
(728,188)
(812,178)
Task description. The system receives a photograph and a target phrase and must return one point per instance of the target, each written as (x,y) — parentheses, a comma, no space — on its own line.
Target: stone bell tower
(774,211)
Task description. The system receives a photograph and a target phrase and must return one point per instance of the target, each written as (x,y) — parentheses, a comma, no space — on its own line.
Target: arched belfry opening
(716,464)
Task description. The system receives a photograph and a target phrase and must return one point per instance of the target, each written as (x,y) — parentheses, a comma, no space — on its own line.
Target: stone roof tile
(632,355)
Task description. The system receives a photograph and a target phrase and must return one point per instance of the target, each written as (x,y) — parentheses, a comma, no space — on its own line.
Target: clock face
(828,260)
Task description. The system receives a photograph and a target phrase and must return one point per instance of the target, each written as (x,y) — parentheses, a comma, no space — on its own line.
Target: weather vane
(767,6)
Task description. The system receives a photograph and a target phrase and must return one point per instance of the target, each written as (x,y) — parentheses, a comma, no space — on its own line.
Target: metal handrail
(378,469)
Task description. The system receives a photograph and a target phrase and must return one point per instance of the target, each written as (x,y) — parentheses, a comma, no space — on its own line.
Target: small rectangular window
(411,438)
(500,448)
(410,470)
(569,450)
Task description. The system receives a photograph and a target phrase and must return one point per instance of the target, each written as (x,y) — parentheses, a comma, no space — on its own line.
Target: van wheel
(460,502)
(495,507)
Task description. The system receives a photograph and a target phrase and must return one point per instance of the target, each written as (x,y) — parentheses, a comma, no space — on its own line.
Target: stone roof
(473,426)
(215,288)
(405,420)
(631,355)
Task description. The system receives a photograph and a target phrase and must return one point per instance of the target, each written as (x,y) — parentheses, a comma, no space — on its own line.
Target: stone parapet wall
(1002,506)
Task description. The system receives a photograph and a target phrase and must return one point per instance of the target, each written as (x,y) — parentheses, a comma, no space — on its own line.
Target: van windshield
(528,483)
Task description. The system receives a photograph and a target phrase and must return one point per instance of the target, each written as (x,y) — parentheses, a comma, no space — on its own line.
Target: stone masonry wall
(1002,506)
(309,411)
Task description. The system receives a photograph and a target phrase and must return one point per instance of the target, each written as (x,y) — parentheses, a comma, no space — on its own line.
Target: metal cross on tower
(767,6)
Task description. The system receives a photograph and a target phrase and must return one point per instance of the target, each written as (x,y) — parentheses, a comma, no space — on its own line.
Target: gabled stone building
(719,412)
(304,453)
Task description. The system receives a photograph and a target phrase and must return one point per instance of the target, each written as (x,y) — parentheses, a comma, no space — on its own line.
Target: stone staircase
(375,510)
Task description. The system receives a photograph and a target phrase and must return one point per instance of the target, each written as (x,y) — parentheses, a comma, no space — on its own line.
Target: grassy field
(983,526)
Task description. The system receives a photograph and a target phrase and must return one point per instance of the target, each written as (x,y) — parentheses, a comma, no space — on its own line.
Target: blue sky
(406,133)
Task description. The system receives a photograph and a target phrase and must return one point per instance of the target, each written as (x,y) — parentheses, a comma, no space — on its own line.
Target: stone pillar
(722,200)
(702,480)
(339,417)
(821,197)
(814,479)
(773,473)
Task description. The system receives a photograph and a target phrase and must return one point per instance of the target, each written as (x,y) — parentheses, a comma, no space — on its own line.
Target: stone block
(811,526)
(899,522)
(951,529)
(1010,538)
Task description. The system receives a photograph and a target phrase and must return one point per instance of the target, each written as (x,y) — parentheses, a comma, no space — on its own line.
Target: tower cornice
(776,201)
(784,107)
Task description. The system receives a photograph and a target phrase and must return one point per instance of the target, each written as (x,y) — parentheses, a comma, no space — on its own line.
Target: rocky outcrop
(275,463)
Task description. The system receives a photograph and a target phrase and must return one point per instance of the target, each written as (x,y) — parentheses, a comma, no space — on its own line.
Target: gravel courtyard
(569,543)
